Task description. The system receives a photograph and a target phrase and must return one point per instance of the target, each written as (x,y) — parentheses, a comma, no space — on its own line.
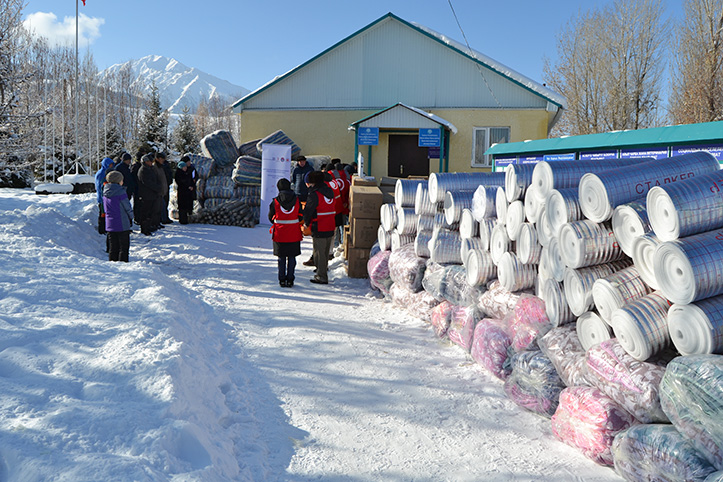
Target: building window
(484,137)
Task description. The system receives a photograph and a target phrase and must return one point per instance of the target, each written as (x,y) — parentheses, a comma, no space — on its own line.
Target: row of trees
(612,60)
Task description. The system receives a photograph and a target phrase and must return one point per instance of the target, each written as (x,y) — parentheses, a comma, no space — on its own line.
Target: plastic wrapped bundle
(497,302)
(462,325)
(441,182)
(423,206)
(556,307)
(202,164)
(515,218)
(467,245)
(644,453)
(589,421)
(279,137)
(421,244)
(715,477)
(221,147)
(249,149)
(378,269)
(441,317)
(441,222)
(501,205)
(534,202)
(629,222)
(556,263)
(418,304)
(405,192)
(691,394)
(686,208)
(690,269)
(562,346)
(616,290)
(384,238)
(518,177)
(643,254)
(406,268)
(526,322)
(528,249)
(633,384)
(479,267)
(388,216)
(534,383)
(374,250)
(601,193)
(641,326)
(483,202)
(454,287)
(578,284)
(425,223)
(485,231)
(399,240)
(468,225)
(247,171)
(444,247)
(697,328)
(219,187)
(499,242)
(587,243)
(406,221)
(562,207)
(454,203)
(515,276)
(591,329)
(491,347)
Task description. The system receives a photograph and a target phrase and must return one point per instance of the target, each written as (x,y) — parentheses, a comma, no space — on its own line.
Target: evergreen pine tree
(154,124)
(185,138)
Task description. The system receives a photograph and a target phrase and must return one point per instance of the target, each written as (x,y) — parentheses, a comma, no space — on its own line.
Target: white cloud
(46,24)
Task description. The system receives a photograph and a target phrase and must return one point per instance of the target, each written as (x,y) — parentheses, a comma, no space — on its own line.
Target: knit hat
(283,184)
(125,157)
(148,158)
(114,177)
(181,165)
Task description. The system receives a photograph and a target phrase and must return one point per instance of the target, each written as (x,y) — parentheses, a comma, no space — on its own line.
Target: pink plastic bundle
(562,346)
(633,384)
(462,325)
(378,269)
(490,347)
(497,302)
(527,321)
(589,420)
(441,316)
(418,304)
(407,269)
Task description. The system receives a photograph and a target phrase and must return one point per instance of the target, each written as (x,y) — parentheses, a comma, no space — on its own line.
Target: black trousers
(120,244)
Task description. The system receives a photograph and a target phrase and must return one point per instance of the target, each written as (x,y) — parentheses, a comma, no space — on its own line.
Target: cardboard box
(363,232)
(357,265)
(360,181)
(365,202)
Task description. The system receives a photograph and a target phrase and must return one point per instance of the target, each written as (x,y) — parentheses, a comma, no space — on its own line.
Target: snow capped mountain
(179,85)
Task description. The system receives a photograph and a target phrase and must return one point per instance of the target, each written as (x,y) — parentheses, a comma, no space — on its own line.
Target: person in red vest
(285,216)
(344,183)
(319,214)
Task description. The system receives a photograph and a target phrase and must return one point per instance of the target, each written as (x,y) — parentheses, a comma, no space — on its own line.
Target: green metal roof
(656,136)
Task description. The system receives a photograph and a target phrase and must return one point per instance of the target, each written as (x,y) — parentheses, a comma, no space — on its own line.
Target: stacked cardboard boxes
(365,201)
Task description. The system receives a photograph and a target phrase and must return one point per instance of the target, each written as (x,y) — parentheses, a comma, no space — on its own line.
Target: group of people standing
(315,202)
(147,183)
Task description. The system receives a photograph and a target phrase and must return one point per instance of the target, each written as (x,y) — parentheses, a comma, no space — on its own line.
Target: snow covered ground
(191,363)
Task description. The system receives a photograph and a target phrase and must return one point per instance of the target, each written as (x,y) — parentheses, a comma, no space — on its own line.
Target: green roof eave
(668,135)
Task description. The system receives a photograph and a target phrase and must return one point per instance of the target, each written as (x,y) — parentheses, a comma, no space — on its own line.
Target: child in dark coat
(285,215)
(118,217)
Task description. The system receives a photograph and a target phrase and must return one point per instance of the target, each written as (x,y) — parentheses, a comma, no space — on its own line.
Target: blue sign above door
(429,137)
(368,136)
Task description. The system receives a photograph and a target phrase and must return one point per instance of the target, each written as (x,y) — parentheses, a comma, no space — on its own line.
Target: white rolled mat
(483,202)
(479,267)
(616,290)
(515,276)
(388,216)
(556,306)
(422,204)
(697,328)
(445,247)
(485,231)
(641,326)
(578,284)
(501,205)
(562,207)
(468,225)
(425,223)
(543,269)
(629,222)
(440,183)
(534,202)
(601,193)
(499,242)
(518,178)
(643,252)
(406,221)
(421,243)
(544,230)
(399,239)
(591,329)
(454,203)
(515,218)
(555,261)
(587,243)
(467,245)
(385,239)
(405,192)
(528,249)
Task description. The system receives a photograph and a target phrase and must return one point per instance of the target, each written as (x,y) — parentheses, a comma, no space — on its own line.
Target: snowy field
(191,363)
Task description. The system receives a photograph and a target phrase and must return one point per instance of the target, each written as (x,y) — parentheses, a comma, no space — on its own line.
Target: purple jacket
(118,211)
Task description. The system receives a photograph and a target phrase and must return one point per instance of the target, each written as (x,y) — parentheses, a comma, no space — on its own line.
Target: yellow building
(391,79)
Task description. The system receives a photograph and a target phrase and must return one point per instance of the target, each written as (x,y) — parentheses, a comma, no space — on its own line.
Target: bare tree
(697,70)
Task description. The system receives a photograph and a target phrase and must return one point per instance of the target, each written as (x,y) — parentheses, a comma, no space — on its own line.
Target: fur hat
(114,177)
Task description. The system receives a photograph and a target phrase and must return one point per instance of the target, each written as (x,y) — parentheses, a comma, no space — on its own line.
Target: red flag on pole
(84,3)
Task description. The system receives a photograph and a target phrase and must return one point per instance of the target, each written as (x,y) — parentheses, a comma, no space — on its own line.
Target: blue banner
(597,155)
(429,137)
(368,136)
(654,152)
(570,156)
(715,149)
(502,162)
(433,152)
(529,159)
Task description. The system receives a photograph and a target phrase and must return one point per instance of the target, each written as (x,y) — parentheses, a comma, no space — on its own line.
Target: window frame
(487,162)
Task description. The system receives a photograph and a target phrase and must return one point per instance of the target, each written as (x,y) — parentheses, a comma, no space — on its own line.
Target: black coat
(186,196)
(149,186)
(129,179)
(286,200)
(297,180)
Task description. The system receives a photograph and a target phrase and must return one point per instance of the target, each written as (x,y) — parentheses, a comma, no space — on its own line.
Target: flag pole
(76,87)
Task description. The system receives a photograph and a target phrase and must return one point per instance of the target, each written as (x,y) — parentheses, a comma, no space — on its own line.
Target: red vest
(287,228)
(345,186)
(335,186)
(325,214)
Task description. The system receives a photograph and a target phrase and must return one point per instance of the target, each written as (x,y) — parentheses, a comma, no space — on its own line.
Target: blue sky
(248,42)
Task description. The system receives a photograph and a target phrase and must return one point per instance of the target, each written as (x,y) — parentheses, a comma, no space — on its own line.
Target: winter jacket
(118,211)
(129,180)
(149,186)
(162,178)
(287,200)
(297,180)
(312,203)
(100,178)
(184,180)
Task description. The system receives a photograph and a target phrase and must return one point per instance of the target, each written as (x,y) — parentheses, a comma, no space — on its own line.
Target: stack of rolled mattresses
(441,183)
(405,192)
(388,221)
